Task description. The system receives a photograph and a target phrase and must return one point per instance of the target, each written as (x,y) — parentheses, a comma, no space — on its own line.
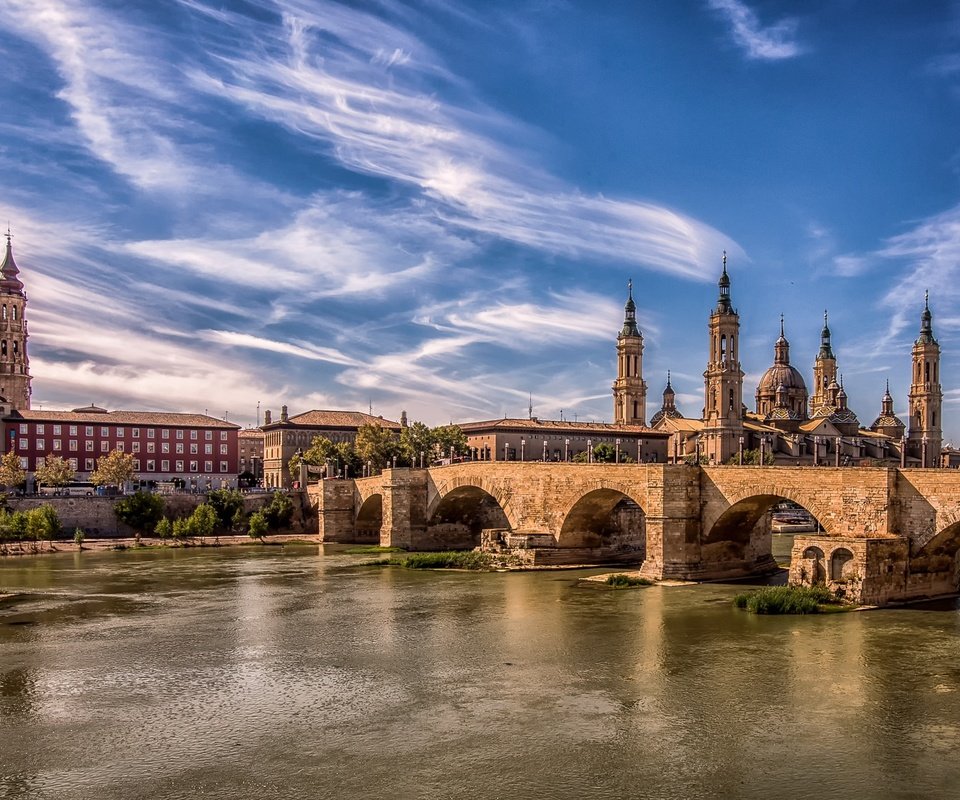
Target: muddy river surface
(269,672)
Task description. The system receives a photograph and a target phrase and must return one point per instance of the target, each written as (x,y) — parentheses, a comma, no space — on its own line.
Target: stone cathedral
(788,424)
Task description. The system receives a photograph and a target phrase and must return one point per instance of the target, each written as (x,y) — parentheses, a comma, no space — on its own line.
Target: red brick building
(194,447)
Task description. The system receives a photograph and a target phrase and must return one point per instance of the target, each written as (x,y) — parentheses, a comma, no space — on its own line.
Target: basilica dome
(781,392)
(785,374)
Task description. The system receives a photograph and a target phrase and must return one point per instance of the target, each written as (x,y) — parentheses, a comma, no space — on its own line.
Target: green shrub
(43,523)
(141,510)
(227,503)
(367,549)
(203,521)
(181,529)
(279,511)
(453,559)
(622,581)
(164,529)
(786,600)
(258,525)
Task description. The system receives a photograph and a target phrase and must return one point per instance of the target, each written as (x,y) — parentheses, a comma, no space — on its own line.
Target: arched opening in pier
(756,534)
(369,519)
(609,521)
(813,571)
(461,515)
(935,567)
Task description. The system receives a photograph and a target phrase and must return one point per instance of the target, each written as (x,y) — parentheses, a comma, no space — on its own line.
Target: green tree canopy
(141,511)
(377,446)
(114,469)
(11,473)
(54,471)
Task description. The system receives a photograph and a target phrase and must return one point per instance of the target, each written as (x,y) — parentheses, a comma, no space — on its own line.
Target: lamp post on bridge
(697,452)
(506,445)
(523,443)
(816,451)
(639,451)
(740,452)
(544,451)
(589,451)
(923,451)
(617,456)
(566,450)
(903,451)
(837,453)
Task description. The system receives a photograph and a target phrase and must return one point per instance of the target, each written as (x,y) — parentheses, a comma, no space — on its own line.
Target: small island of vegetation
(790,600)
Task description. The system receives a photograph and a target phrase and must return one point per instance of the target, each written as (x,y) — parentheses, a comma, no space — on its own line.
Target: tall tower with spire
(824,371)
(630,390)
(723,379)
(14,364)
(926,398)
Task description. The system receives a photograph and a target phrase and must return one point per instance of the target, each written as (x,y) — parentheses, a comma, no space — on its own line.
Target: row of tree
(379,447)
(113,469)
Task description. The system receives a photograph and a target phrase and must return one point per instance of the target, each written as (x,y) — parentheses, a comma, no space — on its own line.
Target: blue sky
(435,206)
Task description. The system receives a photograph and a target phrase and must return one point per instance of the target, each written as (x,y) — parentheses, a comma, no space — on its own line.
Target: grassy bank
(790,600)
(450,559)
(626,582)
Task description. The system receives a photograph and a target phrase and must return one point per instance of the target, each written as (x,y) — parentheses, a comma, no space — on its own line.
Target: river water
(269,672)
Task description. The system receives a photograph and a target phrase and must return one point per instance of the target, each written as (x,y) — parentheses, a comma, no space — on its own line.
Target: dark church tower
(14,364)
(926,397)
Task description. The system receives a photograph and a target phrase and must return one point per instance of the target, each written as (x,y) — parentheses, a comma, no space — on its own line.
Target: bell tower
(824,371)
(629,390)
(926,398)
(14,364)
(723,379)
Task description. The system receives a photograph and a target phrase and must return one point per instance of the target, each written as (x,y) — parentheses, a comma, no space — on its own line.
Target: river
(269,672)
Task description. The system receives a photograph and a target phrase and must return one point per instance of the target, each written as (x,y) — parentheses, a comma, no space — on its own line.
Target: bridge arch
(607,518)
(741,534)
(456,518)
(369,519)
(935,566)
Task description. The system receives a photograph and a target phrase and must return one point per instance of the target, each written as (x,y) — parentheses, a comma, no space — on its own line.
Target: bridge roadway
(887,534)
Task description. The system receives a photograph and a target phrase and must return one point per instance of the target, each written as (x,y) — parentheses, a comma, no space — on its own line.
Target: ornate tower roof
(826,351)
(926,319)
(669,408)
(723,302)
(781,350)
(888,422)
(630,314)
(9,282)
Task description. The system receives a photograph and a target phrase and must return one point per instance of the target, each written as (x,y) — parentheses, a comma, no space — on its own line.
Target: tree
(11,473)
(203,521)
(416,439)
(258,525)
(141,511)
(604,453)
(43,523)
(164,529)
(450,437)
(377,446)
(226,503)
(180,529)
(114,469)
(278,512)
(54,471)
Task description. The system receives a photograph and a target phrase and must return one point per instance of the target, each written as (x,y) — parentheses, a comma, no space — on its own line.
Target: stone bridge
(885,534)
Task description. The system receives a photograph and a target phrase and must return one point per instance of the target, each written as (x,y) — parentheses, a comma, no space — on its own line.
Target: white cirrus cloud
(771,43)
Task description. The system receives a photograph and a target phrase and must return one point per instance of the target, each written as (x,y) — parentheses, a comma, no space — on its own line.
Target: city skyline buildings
(437,209)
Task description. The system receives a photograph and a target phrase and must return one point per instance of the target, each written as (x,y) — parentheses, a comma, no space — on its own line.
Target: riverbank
(18,549)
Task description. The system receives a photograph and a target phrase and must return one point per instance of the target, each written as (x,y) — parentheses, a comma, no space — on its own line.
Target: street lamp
(697,449)
(837,454)
(639,451)
(523,444)
(422,456)
(763,441)
(566,450)
(923,460)
(544,450)
(816,451)
(505,446)
(589,451)
(903,451)
(617,451)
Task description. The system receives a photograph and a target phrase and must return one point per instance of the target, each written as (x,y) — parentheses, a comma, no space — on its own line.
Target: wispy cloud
(771,43)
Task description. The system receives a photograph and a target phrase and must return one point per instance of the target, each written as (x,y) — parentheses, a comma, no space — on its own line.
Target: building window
(88,464)
(164,466)
(23,444)
(151,433)
(193,448)
(208,449)
(179,466)
(180,434)
(223,436)
(104,447)
(208,466)
(73,444)
(74,464)
(193,466)
(120,431)
(24,463)
(151,465)
(224,467)
(119,446)
(165,433)
(193,434)
(136,447)
(23,428)
(136,464)
(179,447)
(56,444)
(151,447)
(73,430)
(136,433)
(208,435)
(56,430)
(104,431)
(39,428)
(41,445)
(88,431)
(224,449)
(165,447)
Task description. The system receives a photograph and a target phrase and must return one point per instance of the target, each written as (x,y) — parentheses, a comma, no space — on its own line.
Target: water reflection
(286,672)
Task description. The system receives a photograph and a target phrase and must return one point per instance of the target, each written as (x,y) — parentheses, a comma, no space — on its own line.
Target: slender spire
(723,302)
(630,314)
(9,282)
(826,349)
(886,405)
(669,389)
(926,322)
(781,350)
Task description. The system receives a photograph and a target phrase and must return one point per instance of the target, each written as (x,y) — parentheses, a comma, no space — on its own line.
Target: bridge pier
(404,508)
